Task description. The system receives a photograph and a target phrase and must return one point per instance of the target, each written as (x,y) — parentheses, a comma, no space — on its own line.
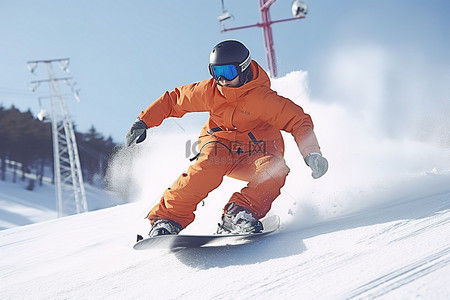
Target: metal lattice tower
(69,187)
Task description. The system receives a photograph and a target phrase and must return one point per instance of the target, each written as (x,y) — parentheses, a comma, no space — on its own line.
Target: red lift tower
(299,10)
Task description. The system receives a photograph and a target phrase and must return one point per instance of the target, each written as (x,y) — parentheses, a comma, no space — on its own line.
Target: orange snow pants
(261,165)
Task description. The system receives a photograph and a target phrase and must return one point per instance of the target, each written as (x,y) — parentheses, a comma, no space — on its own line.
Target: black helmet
(229,59)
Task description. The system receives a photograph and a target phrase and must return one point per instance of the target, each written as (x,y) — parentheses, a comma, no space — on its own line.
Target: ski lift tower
(299,10)
(69,187)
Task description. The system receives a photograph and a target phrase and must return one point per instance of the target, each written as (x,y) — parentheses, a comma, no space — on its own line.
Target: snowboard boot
(164,227)
(238,220)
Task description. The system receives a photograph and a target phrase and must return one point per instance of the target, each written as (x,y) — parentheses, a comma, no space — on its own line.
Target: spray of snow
(400,94)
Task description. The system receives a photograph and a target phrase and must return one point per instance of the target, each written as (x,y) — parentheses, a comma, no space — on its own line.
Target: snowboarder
(241,139)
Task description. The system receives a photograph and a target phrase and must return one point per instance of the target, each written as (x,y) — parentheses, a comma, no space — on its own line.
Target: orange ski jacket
(250,112)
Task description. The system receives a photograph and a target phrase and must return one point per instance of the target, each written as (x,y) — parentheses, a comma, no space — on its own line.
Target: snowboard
(172,242)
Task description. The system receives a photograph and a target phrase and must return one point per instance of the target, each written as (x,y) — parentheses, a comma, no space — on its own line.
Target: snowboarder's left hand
(137,132)
(317,163)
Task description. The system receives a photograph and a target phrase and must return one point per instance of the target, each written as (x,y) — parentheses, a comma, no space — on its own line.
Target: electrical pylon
(69,188)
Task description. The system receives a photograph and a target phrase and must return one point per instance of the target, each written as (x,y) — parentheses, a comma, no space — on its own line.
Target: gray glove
(137,132)
(317,163)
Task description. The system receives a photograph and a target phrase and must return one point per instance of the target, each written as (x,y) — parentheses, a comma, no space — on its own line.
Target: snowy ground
(376,226)
(19,206)
(401,250)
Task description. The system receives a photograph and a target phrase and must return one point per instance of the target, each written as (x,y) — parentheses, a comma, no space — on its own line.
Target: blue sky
(125,54)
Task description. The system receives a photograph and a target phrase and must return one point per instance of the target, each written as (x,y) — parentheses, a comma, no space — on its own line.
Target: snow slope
(376,226)
(19,206)
(397,251)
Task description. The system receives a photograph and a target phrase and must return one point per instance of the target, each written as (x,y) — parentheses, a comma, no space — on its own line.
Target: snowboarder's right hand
(137,132)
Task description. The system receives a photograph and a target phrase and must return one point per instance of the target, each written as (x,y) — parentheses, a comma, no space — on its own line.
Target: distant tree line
(94,151)
(26,145)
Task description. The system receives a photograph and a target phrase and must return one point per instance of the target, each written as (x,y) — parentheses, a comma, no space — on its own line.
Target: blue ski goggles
(228,72)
